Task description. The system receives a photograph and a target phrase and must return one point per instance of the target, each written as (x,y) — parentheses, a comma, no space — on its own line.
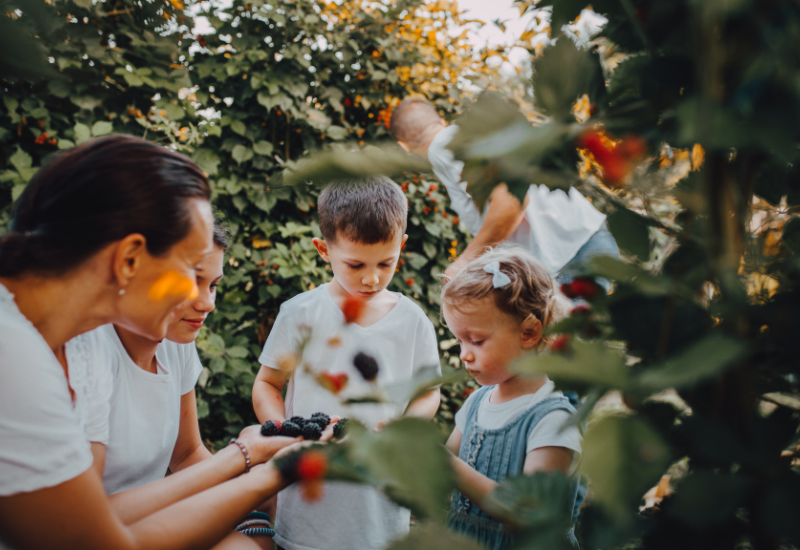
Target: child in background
(363,225)
(498,307)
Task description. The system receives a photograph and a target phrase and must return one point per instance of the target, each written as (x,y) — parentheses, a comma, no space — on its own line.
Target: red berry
(566,290)
(352,309)
(580,310)
(584,287)
(334,382)
(560,343)
(312,465)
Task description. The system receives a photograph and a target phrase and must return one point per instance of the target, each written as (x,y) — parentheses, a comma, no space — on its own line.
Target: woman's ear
(322,248)
(530,331)
(127,258)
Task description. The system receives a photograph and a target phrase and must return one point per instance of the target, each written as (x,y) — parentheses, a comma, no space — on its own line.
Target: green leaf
(336,132)
(429,249)
(409,464)
(65,144)
(562,74)
(433,536)
(564,12)
(217,365)
(207,160)
(631,232)
(238,127)
(585,364)
(17,190)
(82,133)
(271,101)
(416,260)
(623,456)
(237,351)
(263,148)
(20,160)
(174,112)
(623,272)
(241,154)
(101,128)
(86,4)
(700,361)
(132,79)
(317,119)
(322,168)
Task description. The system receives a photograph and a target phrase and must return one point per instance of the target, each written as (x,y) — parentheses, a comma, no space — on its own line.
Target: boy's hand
(262,448)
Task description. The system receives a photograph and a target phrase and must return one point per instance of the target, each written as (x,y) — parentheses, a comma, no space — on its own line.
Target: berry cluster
(309,428)
(581,287)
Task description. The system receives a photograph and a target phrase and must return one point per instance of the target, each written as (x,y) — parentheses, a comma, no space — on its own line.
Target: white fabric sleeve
(461,415)
(548,433)
(97,422)
(280,342)
(426,347)
(42,441)
(192,367)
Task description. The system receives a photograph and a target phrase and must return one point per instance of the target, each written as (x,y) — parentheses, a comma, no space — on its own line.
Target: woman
(111,231)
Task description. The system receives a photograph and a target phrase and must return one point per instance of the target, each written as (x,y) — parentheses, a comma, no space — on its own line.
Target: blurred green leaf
(432,536)
(623,456)
(631,232)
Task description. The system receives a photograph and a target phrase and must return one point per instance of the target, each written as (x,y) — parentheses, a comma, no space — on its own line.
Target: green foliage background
(276,80)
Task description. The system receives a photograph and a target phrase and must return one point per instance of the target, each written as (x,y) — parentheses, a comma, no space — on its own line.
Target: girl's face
(490,339)
(156,287)
(190,317)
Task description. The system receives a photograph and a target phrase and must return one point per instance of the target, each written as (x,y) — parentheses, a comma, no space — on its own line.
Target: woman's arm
(78,516)
(189,448)
(134,504)
(477,487)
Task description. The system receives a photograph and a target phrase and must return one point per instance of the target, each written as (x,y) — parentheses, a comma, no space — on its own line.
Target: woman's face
(190,317)
(160,286)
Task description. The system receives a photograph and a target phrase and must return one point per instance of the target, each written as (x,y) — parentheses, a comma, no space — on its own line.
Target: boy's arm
(477,487)
(268,394)
(424,406)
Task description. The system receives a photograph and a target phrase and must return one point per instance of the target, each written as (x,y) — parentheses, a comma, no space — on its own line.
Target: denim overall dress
(497,454)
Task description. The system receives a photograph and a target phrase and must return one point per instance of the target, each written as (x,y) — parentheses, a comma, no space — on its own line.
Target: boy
(363,226)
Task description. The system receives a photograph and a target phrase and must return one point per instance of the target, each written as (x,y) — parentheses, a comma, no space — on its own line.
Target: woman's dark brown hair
(95,194)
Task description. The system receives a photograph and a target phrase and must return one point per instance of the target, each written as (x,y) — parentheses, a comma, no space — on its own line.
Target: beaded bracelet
(244,450)
(258,531)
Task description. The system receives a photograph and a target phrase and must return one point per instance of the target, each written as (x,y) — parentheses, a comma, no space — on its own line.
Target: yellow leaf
(261,243)
(698,155)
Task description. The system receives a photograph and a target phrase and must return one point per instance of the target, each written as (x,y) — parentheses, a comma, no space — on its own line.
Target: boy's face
(363,270)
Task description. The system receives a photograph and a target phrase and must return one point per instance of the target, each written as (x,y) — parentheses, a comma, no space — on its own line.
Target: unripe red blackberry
(270,428)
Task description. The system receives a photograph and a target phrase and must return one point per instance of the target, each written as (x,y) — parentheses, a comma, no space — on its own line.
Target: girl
(93,234)
(498,307)
(152,421)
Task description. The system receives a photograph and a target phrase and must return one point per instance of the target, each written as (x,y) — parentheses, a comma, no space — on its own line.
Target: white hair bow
(499,279)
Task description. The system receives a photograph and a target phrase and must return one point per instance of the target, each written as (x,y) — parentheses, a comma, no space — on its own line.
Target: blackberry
(287,466)
(299,420)
(270,428)
(312,431)
(340,429)
(367,366)
(291,429)
(321,419)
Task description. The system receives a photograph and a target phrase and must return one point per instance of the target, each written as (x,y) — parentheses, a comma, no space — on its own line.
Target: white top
(88,360)
(143,420)
(547,433)
(42,440)
(403,342)
(556,224)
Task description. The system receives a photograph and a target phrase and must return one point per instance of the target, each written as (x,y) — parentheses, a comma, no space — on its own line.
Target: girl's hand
(262,448)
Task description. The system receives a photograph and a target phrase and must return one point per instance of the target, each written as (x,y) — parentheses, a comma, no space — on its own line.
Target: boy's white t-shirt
(42,440)
(556,224)
(547,433)
(143,420)
(349,516)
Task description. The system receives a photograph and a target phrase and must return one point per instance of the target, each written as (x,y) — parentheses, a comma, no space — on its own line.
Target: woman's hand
(263,448)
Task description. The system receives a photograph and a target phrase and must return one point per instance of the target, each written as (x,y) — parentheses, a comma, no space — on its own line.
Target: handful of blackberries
(309,428)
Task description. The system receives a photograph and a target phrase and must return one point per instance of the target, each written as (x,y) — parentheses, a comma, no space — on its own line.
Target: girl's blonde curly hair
(532,291)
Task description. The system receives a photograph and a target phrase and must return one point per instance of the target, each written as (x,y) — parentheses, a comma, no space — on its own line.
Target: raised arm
(502,218)
(268,394)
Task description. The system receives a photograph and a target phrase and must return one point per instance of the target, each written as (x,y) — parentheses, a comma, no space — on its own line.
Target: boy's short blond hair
(367,210)
(532,291)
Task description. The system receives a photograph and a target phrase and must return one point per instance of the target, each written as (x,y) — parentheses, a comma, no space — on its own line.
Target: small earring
(122,292)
